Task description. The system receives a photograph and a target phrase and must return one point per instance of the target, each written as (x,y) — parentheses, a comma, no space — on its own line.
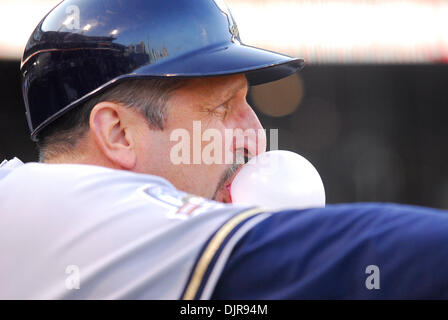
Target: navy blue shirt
(324,253)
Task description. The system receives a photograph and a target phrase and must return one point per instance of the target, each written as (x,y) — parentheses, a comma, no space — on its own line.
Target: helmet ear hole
(81,48)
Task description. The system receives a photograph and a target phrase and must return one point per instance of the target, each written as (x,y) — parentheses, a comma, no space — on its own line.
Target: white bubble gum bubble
(279,180)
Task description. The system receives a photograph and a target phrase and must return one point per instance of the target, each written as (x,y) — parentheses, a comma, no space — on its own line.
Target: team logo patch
(181,204)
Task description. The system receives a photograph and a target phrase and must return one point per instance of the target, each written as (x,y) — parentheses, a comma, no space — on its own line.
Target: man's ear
(112,133)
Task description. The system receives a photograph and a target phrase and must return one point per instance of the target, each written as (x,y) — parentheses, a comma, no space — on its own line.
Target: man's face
(209,126)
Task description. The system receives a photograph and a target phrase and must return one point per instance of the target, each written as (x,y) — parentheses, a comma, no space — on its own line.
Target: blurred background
(369,110)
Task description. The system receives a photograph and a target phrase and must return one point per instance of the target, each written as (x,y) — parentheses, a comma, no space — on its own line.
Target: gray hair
(148,96)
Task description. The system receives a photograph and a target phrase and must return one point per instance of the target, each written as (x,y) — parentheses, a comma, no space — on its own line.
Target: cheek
(202,177)
(174,160)
(153,152)
(218,150)
(218,142)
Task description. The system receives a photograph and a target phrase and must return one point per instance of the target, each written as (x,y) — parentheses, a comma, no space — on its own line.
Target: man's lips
(229,190)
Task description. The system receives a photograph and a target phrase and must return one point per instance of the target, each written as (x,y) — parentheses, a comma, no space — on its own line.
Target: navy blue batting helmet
(82,47)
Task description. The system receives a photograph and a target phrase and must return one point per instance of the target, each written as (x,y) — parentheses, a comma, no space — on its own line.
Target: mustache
(228,173)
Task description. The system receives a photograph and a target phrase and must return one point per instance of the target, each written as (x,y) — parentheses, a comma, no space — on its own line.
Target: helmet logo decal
(233,28)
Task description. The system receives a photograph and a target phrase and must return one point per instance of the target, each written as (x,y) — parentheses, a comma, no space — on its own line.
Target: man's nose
(248,131)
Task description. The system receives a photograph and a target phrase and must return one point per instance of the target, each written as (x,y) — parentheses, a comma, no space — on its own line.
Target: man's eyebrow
(237,86)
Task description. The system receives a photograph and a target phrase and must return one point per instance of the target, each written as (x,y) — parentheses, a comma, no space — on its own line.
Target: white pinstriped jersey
(86,232)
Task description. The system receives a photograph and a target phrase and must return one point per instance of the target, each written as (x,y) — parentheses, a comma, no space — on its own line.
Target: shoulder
(324,253)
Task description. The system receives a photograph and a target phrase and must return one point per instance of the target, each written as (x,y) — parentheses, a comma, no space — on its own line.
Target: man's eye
(221,111)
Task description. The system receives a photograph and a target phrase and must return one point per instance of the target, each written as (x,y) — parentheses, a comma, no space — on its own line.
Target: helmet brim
(260,66)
